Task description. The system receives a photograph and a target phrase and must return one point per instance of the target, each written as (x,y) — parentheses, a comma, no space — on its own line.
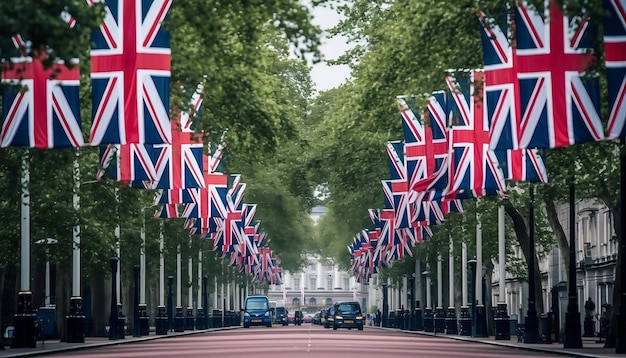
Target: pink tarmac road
(307,341)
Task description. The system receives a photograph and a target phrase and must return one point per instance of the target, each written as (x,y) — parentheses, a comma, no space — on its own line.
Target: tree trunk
(519,225)
(62,299)
(100,303)
(557,228)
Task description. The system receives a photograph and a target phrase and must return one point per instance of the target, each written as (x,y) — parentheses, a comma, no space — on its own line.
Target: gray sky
(326,77)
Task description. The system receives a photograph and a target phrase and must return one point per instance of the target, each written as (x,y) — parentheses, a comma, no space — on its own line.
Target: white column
(179,278)
(76,233)
(161,267)
(464,273)
(439,282)
(501,254)
(479,262)
(190,277)
(117,245)
(199,302)
(25,226)
(451,274)
(142,261)
(337,278)
(428,300)
(320,276)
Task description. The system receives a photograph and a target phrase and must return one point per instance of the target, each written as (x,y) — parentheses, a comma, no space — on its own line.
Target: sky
(324,76)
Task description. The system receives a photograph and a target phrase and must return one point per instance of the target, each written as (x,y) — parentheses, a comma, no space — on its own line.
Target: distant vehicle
(297,318)
(308,318)
(281,315)
(330,317)
(347,314)
(317,318)
(256,312)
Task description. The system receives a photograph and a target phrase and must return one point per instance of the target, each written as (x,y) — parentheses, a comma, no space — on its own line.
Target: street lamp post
(47,294)
(472,265)
(136,328)
(113,317)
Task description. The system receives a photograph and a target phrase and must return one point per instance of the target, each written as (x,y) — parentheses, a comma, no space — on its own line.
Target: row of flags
(493,124)
(140,146)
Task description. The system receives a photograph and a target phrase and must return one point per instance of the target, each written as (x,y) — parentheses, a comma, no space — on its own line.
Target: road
(307,341)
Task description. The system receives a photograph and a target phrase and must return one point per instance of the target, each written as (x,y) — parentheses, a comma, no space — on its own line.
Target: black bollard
(440,320)
(429,320)
(503,326)
(144,320)
(24,333)
(481,322)
(419,319)
(465,321)
(121,322)
(161,321)
(189,319)
(75,321)
(113,331)
(200,321)
(451,322)
(179,320)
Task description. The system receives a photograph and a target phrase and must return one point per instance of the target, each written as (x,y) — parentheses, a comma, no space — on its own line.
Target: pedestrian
(372,319)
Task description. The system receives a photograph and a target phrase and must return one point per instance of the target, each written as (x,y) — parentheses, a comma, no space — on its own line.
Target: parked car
(347,314)
(308,318)
(256,312)
(317,318)
(330,317)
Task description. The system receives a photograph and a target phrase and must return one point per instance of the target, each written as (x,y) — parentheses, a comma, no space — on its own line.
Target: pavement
(591,346)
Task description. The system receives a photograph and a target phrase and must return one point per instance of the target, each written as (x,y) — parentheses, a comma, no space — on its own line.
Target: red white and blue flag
(615,58)
(472,167)
(560,106)
(40,106)
(130,74)
(502,107)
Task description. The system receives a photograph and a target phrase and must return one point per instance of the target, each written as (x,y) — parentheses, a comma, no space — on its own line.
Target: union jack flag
(233,222)
(559,106)
(397,189)
(502,109)
(163,166)
(615,57)
(473,168)
(130,74)
(209,205)
(41,105)
(425,137)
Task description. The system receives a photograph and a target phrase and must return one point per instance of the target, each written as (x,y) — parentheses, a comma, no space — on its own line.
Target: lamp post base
(76,321)
(24,320)
(161,321)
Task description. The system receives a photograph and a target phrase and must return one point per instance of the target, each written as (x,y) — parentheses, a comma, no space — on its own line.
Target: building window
(312,301)
(346,283)
(329,283)
(313,283)
(296,284)
(295,302)
(329,301)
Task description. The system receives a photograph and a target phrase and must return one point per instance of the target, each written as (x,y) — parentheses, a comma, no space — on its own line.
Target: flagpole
(76,318)
(24,319)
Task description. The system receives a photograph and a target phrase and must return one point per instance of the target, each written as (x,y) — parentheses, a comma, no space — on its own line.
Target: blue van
(256,312)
